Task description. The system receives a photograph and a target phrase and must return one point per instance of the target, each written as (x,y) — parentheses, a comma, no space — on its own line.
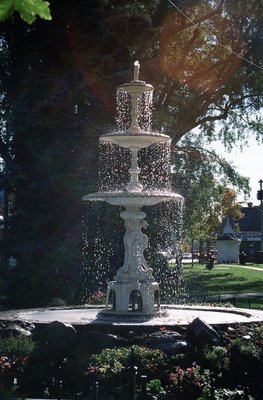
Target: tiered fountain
(134,288)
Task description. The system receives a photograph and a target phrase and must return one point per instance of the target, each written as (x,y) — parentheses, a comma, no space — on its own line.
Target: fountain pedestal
(134,288)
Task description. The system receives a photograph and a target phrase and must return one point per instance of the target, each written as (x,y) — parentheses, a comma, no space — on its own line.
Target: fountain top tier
(135,137)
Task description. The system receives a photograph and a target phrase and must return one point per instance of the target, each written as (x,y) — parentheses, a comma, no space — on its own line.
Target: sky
(248,162)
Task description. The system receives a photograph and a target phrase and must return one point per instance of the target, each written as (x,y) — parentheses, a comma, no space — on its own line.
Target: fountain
(134,288)
(133,296)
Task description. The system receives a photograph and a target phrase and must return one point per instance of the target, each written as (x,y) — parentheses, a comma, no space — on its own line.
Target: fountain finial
(136,70)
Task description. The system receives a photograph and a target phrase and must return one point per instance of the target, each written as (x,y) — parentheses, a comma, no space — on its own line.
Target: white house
(228,245)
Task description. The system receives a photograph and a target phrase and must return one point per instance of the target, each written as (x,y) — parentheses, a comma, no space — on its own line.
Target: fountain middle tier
(132,139)
(135,141)
(131,199)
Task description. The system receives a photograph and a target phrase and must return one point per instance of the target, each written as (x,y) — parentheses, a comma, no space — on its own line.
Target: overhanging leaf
(6,9)
(28,9)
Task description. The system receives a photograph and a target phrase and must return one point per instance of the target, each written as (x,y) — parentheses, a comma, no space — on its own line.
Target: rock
(200,333)
(27,325)
(58,338)
(2,325)
(164,341)
(14,330)
(181,347)
(93,342)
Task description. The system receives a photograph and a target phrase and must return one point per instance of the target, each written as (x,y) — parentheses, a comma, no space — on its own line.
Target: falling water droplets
(145,105)
(155,167)
(113,167)
(123,111)
(123,119)
(102,247)
(165,237)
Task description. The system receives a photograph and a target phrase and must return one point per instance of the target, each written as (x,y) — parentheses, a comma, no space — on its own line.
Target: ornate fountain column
(135,277)
(135,266)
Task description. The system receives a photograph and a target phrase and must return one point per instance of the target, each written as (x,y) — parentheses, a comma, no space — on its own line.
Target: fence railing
(243,300)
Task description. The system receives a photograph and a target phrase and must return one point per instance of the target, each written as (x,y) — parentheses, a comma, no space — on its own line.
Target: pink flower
(173,377)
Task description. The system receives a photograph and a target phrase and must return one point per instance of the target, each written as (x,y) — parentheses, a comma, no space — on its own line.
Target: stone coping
(168,315)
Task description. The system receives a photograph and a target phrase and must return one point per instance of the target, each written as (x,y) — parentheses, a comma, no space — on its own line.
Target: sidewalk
(240,266)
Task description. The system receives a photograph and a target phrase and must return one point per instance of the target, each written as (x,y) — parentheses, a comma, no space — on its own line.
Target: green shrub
(258,334)
(19,346)
(222,394)
(216,358)
(96,298)
(154,387)
(113,367)
(113,361)
(191,383)
(109,362)
(56,302)
(246,349)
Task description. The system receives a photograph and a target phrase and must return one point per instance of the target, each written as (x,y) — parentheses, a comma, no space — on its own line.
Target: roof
(251,220)
(228,236)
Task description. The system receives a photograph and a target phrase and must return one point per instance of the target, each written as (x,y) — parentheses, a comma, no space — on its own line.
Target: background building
(249,231)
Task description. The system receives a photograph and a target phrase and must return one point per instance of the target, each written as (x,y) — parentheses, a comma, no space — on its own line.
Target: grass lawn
(223,279)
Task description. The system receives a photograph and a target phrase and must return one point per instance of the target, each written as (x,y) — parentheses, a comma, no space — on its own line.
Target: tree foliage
(207,199)
(211,56)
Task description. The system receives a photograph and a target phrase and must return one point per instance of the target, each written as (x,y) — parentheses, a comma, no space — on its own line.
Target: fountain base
(135,296)
(109,316)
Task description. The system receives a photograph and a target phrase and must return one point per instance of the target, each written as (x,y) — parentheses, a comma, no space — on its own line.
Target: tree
(230,207)
(208,200)
(210,53)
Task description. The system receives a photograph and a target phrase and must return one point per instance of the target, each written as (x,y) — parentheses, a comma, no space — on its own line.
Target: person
(202,258)
(242,258)
(209,261)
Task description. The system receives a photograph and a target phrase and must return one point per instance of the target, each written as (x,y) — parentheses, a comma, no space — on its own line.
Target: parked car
(187,256)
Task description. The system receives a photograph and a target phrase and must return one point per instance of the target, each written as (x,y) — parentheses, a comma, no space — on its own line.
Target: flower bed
(100,365)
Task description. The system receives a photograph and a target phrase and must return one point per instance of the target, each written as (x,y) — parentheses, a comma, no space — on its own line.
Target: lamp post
(260,197)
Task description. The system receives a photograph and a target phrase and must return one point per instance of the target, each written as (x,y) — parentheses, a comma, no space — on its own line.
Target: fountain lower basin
(169,315)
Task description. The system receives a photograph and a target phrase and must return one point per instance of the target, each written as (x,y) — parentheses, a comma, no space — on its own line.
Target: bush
(56,302)
(222,394)
(113,361)
(113,368)
(14,355)
(246,357)
(154,387)
(96,298)
(216,359)
(19,346)
(191,383)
